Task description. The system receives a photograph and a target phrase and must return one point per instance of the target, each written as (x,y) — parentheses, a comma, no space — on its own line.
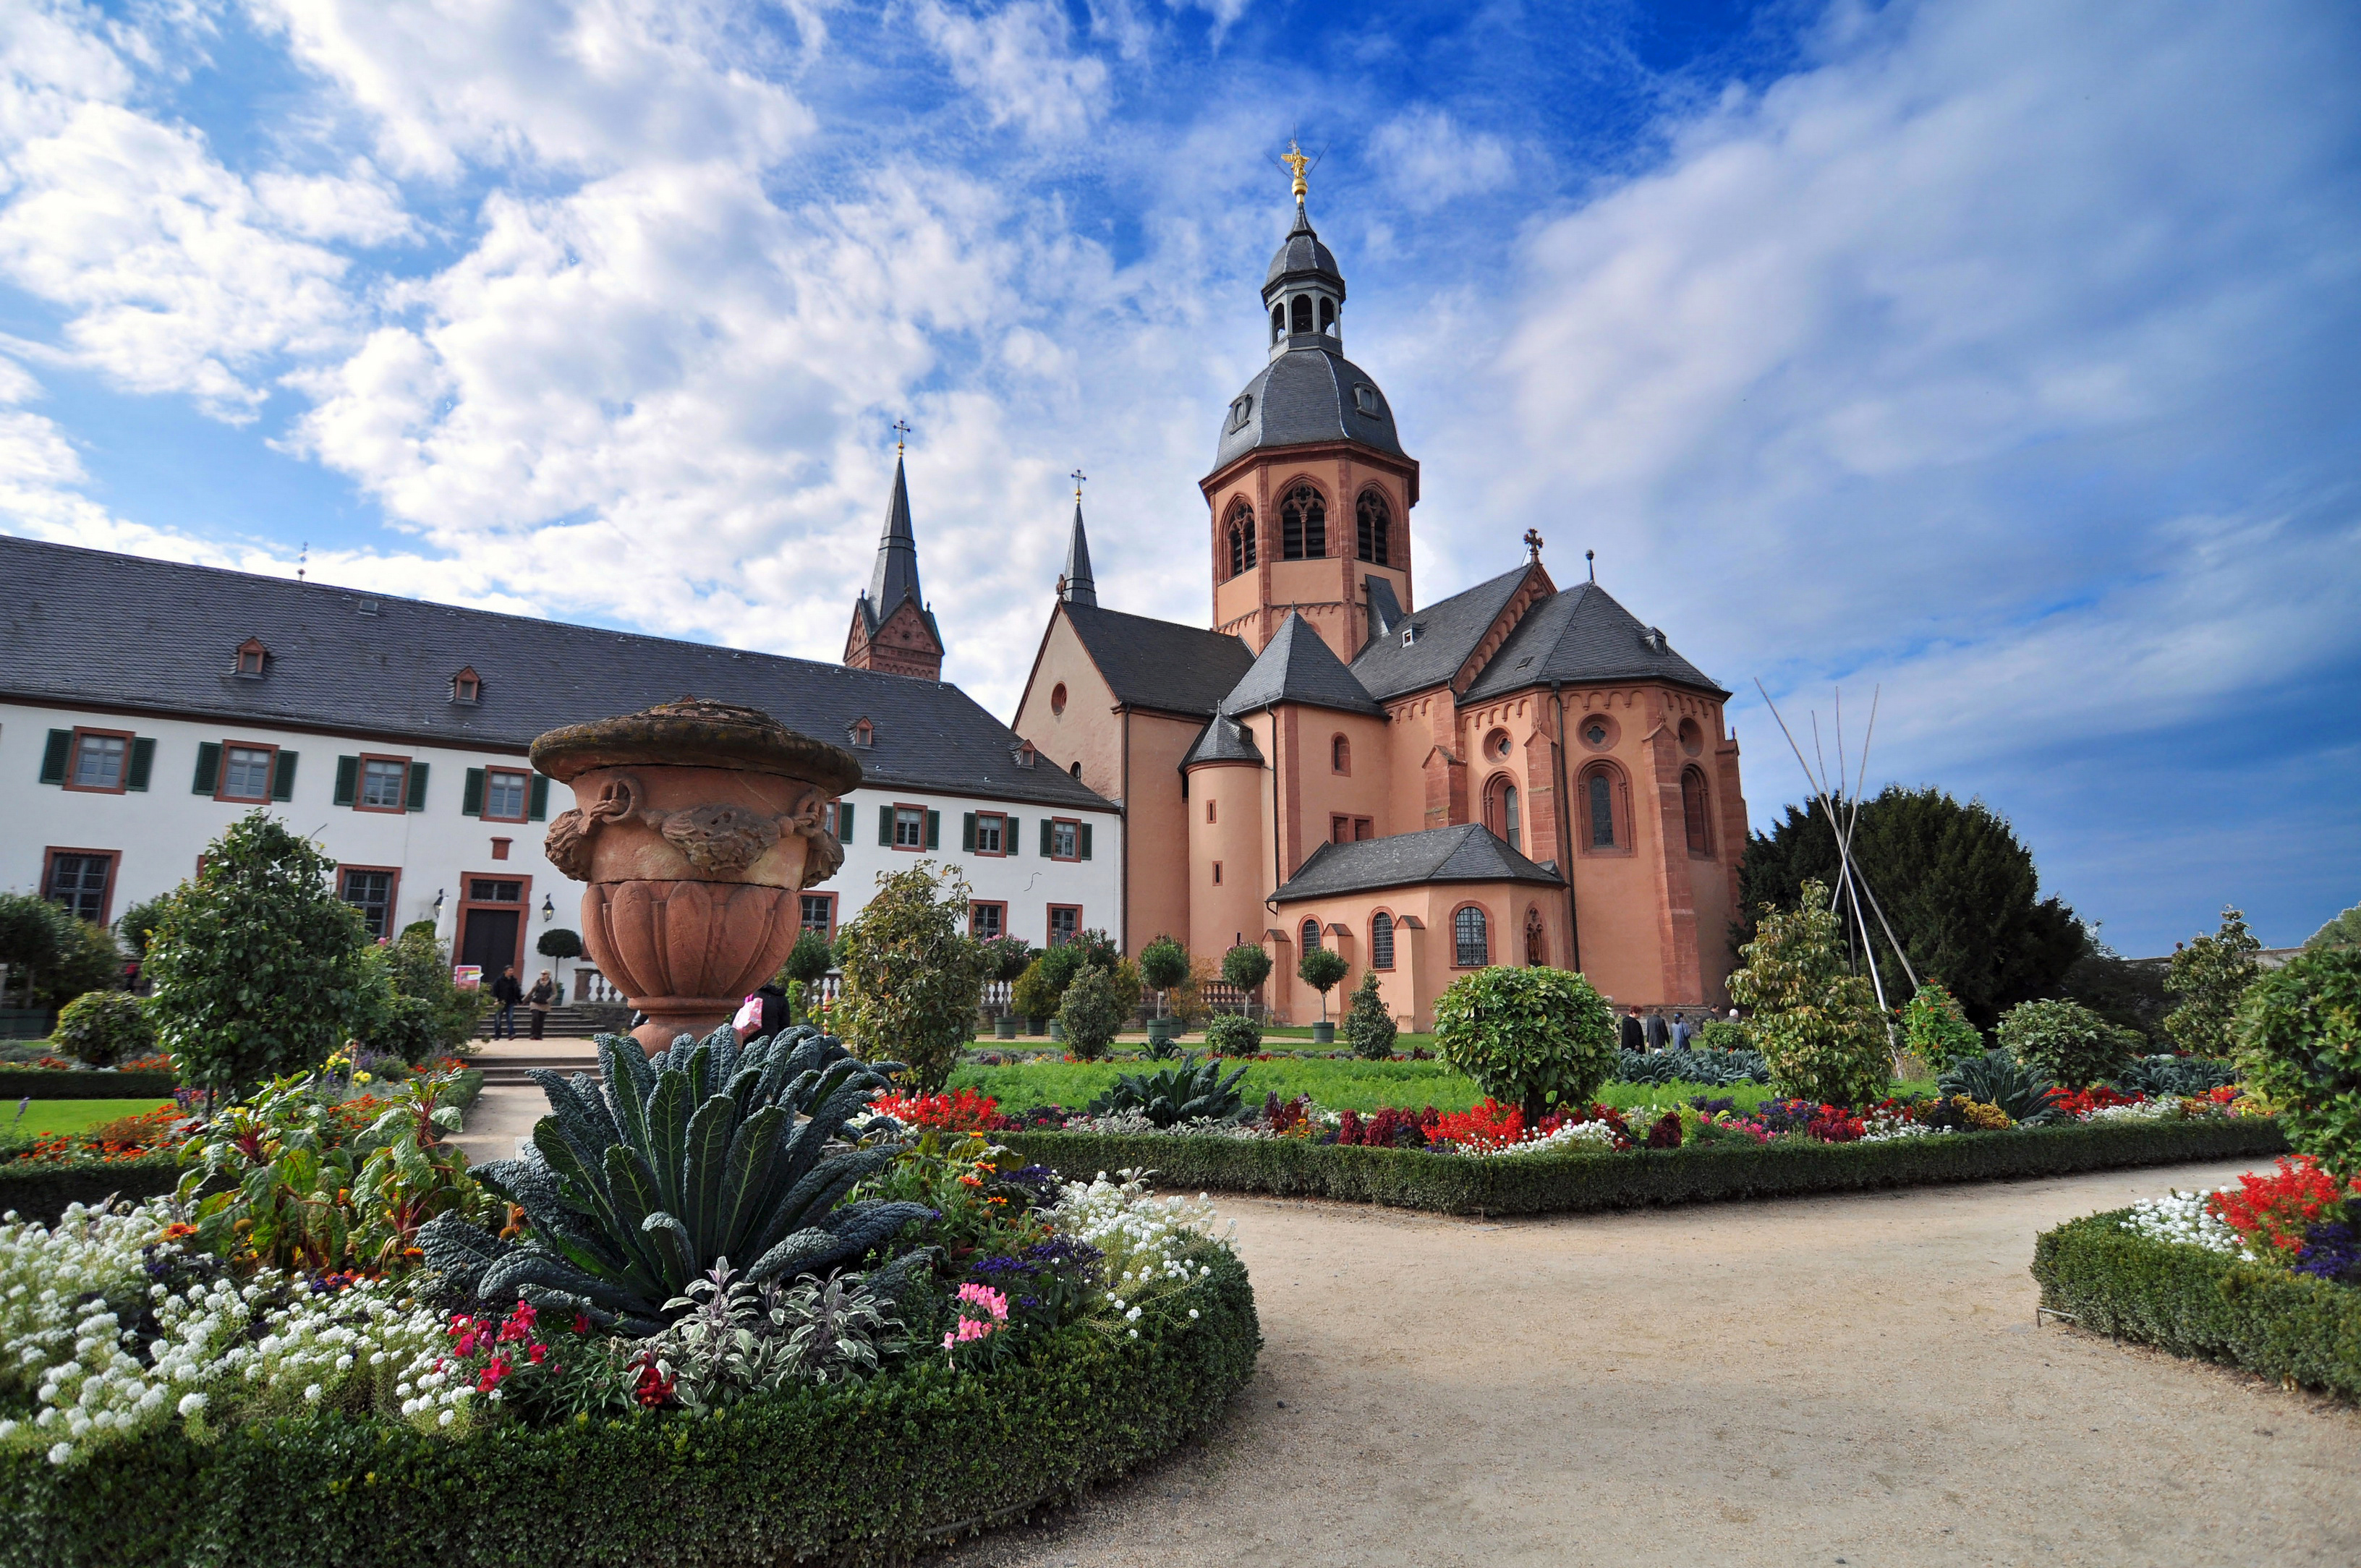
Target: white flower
(190,1404)
(1192,1314)
(449,1417)
(61,1452)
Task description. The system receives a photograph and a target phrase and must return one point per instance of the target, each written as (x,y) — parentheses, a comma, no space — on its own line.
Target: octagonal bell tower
(1310,493)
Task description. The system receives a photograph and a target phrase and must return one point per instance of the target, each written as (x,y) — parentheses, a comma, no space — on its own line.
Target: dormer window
(1653,639)
(1026,755)
(1241,410)
(1409,634)
(251,655)
(466,688)
(863,733)
(1365,397)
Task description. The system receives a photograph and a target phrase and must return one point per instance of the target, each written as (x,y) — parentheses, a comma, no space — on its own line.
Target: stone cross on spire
(1534,543)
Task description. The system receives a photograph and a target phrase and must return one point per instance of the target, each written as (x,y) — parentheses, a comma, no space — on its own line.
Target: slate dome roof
(1299,253)
(1306,395)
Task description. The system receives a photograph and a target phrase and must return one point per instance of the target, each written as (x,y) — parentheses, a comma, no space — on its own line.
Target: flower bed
(2265,1275)
(1583,1176)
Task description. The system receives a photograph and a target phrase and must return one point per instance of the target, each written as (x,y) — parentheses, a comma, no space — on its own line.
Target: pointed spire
(895,577)
(1076,586)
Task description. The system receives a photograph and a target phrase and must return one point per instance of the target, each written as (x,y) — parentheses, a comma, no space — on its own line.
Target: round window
(1692,738)
(1058,697)
(1498,743)
(1598,732)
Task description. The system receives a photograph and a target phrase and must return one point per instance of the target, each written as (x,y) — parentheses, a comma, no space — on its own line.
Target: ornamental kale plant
(1530,1037)
(1998,1079)
(1186,1092)
(638,1190)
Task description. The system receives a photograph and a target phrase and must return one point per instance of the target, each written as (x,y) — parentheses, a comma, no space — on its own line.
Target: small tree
(1321,969)
(137,924)
(29,936)
(257,964)
(103,1028)
(559,943)
(911,976)
(809,960)
(1817,1025)
(2210,974)
(2300,1047)
(1369,1029)
(1163,964)
(1530,1038)
(88,959)
(426,1015)
(2343,931)
(1245,966)
(1935,1030)
(2065,1040)
(1092,1012)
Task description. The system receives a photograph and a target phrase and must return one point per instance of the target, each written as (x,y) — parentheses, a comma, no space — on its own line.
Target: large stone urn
(695,825)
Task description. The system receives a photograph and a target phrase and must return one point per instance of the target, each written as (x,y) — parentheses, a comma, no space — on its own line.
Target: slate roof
(1448,630)
(1080,588)
(1467,852)
(896,575)
(1298,665)
(90,628)
(1224,740)
(1160,663)
(1582,634)
(1301,255)
(1306,395)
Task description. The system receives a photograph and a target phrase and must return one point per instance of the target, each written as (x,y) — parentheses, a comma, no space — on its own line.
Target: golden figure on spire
(1295,157)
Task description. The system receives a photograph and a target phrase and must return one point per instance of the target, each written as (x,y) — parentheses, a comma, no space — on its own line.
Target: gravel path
(1847,1380)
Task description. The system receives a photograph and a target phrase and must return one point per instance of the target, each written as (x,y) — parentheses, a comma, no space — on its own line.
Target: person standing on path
(537,999)
(1658,1036)
(505,995)
(1680,1033)
(1635,1039)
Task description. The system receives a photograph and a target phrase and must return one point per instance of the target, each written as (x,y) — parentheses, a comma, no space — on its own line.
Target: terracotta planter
(697,823)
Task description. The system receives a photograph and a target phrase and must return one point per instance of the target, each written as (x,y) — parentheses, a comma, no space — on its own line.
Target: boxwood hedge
(2203,1304)
(865,1473)
(77,1083)
(1574,1182)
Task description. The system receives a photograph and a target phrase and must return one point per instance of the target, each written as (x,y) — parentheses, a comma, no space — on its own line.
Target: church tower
(1310,493)
(893,630)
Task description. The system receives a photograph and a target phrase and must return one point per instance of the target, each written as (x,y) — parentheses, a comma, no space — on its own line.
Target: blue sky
(1994,355)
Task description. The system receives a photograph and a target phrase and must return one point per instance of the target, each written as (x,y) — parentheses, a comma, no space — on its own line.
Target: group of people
(506,995)
(1650,1031)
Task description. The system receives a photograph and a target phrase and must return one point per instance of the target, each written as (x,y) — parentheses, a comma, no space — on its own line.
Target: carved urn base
(688,952)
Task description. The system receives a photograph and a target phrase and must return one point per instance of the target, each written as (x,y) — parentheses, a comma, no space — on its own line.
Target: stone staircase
(569,1021)
(505,1065)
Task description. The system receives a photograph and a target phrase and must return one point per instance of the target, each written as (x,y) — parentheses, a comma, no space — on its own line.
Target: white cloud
(1017,61)
(1429,159)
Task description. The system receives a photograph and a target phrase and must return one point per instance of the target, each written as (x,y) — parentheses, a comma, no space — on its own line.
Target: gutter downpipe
(1123,862)
(1277,866)
(1565,825)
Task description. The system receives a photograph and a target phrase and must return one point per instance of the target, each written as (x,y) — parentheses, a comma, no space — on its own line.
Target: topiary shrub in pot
(1369,1029)
(1233,1035)
(1535,1038)
(1321,969)
(2065,1040)
(1092,1012)
(1815,1022)
(1163,964)
(2300,1047)
(1935,1030)
(1245,966)
(103,1028)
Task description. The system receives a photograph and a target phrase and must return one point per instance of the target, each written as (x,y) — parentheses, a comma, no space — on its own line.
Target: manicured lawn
(70,1116)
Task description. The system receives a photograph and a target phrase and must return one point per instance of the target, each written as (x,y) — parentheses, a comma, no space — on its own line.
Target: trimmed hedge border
(41,1191)
(84,1083)
(2202,1304)
(1547,1184)
(867,1473)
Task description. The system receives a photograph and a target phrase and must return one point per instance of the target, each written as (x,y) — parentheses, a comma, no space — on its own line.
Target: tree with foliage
(136,925)
(2066,1041)
(809,960)
(2300,1048)
(1321,969)
(1959,887)
(1245,966)
(1534,1039)
(2210,974)
(1815,1022)
(557,942)
(104,1027)
(29,936)
(911,975)
(88,959)
(1163,964)
(1007,957)
(1092,1011)
(2344,931)
(426,1015)
(258,965)
(1935,1029)
(52,955)
(1369,1029)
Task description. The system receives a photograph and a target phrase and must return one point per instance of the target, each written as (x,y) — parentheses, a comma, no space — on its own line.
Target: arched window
(1340,755)
(1381,942)
(1536,940)
(1607,818)
(1303,525)
(1471,941)
(1327,313)
(1310,936)
(1277,322)
(1303,313)
(1693,811)
(1500,811)
(1377,521)
(1242,538)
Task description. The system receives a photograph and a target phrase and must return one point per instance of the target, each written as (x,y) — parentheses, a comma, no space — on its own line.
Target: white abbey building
(144,705)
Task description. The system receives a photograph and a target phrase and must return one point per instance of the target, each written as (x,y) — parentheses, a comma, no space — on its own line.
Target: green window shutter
(1086,841)
(844,822)
(471,798)
(417,798)
(1010,844)
(208,777)
(934,830)
(143,763)
(1047,848)
(53,756)
(885,825)
(540,808)
(282,777)
(348,781)
(967,833)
